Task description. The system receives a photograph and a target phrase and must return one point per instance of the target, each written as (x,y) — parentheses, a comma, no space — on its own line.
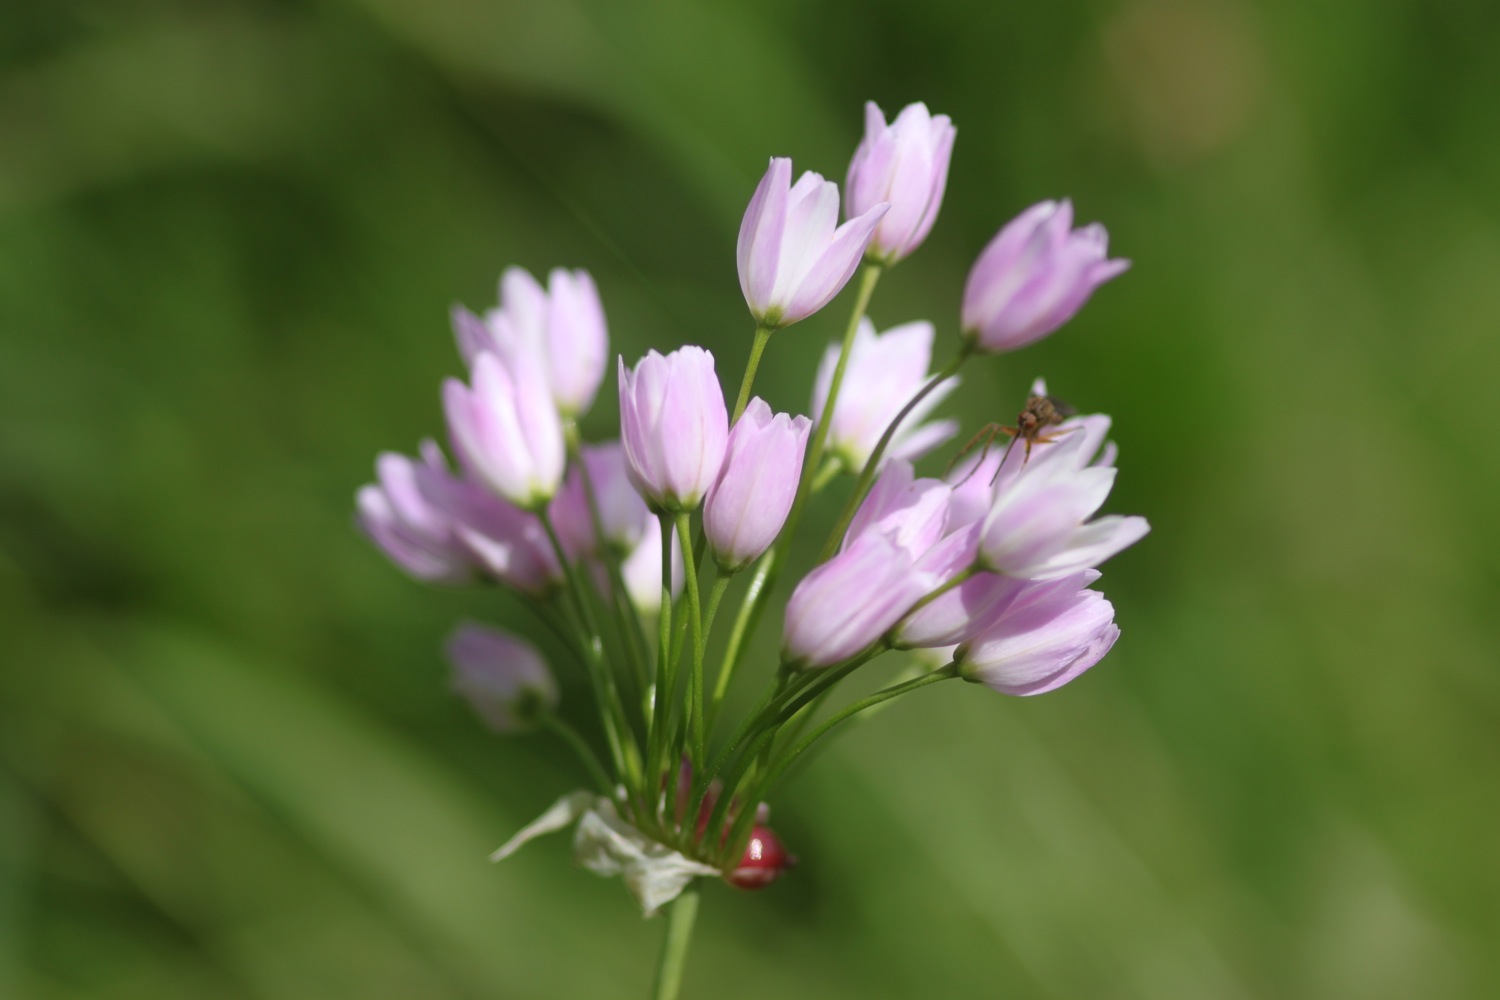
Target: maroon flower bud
(765,860)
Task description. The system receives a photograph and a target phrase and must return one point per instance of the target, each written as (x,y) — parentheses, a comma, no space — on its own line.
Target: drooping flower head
(1050,634)
(502,676)
(1034,276)
(905,164)
(674,425)
(403,514)
(793,255)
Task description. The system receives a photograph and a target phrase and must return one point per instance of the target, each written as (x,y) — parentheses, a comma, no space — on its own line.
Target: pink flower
(1051,633)
(502,676)
(622,512)
(562,328)
(883,372)
(675,426)
(748,505)
(1034,276)
(792,259)
(1038,526)
(851,601)
(905,164)
(508,543)
(404,516)
(641,570)
(506,430)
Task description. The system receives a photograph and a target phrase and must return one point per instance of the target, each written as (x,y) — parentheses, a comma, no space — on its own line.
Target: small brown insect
(1041,412)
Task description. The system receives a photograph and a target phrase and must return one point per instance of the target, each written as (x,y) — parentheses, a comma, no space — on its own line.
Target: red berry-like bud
(765,860)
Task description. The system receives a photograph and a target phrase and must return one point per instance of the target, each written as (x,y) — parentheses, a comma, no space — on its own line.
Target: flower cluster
(628,548)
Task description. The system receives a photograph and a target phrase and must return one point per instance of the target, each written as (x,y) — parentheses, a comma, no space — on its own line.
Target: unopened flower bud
(765,860)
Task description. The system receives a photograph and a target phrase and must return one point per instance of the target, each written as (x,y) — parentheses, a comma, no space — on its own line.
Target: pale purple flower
(1039,528)
(746,508)
(793,256)
(960,614)
(674,425)
(1049,635)
(622,512)
(912,512)
(404,515)
(883,372)
(508,543)
(506,430)
(562,327)
(850,601)
(1034,276)
(904,164)
(503,677)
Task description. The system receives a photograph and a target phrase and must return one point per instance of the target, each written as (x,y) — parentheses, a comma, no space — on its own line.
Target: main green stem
(681,914)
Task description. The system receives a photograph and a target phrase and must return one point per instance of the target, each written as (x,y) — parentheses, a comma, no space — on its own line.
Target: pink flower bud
(883,372)
(1051,633)
(622,512)
(405,516)
(765,860)
(850,601)
(792,259)
(905,164)
(562,328)
(675,426)
(1039,527)
(502,676)
(506,430)
(1034,276)
(748,505)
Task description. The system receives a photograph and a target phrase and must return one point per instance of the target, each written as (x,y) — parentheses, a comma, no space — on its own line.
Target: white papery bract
(502,676)
(904,164)
(884,370)
(793,255)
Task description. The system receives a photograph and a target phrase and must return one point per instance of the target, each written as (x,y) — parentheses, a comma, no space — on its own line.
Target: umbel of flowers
(628,549)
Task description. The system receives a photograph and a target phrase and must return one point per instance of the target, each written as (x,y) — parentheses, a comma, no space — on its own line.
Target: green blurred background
(230,232)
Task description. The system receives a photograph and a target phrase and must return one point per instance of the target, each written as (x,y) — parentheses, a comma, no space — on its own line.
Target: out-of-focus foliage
(229,235)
